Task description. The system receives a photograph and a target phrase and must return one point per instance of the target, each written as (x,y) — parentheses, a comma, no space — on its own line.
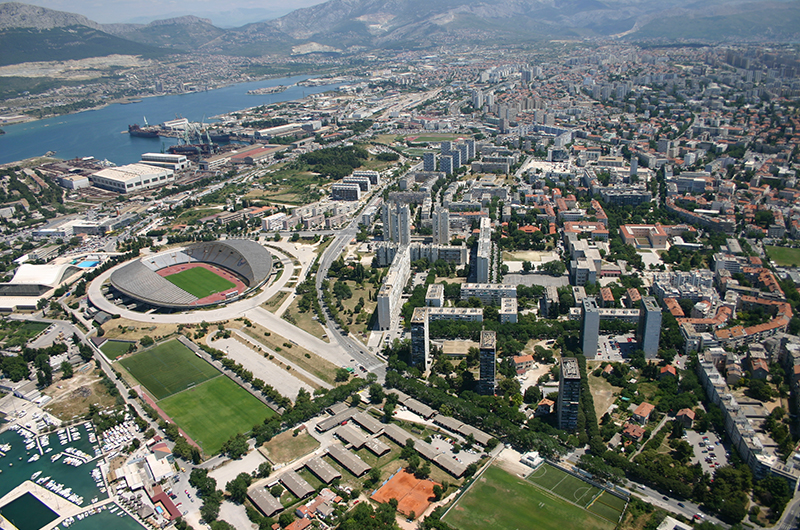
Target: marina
(69,483)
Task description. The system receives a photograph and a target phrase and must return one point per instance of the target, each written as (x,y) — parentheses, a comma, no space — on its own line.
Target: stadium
(198,275)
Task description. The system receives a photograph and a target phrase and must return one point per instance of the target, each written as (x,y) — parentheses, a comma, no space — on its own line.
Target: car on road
(665,498)
(681,505)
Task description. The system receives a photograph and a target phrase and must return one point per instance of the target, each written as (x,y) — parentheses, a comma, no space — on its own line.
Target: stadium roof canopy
(140,280)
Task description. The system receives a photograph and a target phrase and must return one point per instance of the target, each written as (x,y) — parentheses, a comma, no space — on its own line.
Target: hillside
(22,45)
(185,33)
(32,33)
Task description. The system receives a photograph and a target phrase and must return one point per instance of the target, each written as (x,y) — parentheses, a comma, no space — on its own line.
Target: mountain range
(31,33)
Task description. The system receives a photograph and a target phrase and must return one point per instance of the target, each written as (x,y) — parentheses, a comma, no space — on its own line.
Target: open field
(304,321)
(73,397)
(287,447)
(786,257)
(115,348)
(311,362)
(19,332)
(168,368)
(200,282)
(516,503)
(275,302)
(214,411)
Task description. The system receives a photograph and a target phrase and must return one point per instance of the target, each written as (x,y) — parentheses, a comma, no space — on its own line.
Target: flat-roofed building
(508,311)
(345,192)
(348,460)
(351,437)
(420,339)
(397,434)
(649,329)
(590,327)
(419,408)
(448,422)
(322,470)
(644,236)
(266,503)
(488,363)
(435,295)
(466,314)
(368,423)
(451,465)
(329,423)
(569,393)
(377,447)
(488,293)
(173,162)
(480,437)
(296,484)
(131,178)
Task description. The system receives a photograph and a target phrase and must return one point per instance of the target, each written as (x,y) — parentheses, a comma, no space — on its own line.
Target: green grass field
(200,282)
(784,256)
(516,503)
(608,507)
(168,368)
(571,488)
(214,411)
(115,348)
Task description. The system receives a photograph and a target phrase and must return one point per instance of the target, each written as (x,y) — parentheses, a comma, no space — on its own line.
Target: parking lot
(614,348)
(708,450)
(466,457)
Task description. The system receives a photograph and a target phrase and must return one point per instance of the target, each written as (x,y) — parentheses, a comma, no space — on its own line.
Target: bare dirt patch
(72,397)
(287,447)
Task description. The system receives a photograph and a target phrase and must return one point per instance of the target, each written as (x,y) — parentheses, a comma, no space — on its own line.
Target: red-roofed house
(523,363)
(686,417)
(633,432)
(642,413)
(760,368)
(668,371)
(545,407)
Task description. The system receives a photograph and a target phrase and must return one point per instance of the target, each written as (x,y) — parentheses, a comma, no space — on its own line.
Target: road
(668,503)
(353,347)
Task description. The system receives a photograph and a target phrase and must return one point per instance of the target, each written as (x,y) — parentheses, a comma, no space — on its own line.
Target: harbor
(62,470)
(97,132)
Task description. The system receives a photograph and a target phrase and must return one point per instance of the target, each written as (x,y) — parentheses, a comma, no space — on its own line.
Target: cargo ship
(139,132)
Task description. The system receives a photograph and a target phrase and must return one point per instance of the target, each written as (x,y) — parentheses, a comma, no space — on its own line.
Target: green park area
(114,349)
(200,282)
(517,503)
(784,256)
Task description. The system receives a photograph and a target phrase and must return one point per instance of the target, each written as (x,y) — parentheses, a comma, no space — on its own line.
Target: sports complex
(198,275)
(207,405)
(547,499)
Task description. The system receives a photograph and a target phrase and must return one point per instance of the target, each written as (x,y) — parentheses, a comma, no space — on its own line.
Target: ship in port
(142,132)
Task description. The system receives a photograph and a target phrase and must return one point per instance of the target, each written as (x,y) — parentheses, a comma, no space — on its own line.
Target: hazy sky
(221,12)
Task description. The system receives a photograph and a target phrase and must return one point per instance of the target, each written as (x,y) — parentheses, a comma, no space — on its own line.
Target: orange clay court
(412,494)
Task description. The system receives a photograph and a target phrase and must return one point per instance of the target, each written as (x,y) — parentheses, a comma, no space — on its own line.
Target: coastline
(127,100)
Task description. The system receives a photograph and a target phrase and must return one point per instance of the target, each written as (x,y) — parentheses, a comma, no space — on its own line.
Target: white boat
(36,475)
(56,457)
(42,480)
(34,458)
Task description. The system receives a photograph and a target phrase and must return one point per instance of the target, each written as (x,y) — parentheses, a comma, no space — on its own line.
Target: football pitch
(212,412)
(563,484)
(516,503)
(200,282)
(168,368)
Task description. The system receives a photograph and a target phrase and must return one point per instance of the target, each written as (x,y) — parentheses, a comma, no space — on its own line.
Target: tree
(376,393)
(437,492)
(238,487)
(235,447)
(286,519)
(355,400)
(66,370)
(342,375)
(147,341)
(264,469)
(554,268)
(527,266)
(276,491)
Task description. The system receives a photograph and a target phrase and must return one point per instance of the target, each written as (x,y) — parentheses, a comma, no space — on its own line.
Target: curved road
(249,308)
